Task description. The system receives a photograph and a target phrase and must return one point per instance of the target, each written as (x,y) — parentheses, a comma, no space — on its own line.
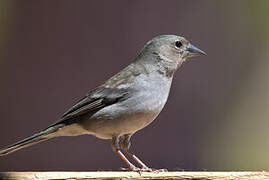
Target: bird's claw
(143,169)
(160,170)
(146,169)
(136,169)
(131,168)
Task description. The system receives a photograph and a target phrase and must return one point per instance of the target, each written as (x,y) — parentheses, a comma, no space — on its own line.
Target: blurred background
(53,52)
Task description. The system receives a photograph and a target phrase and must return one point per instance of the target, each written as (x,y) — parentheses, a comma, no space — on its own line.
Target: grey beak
(193,51)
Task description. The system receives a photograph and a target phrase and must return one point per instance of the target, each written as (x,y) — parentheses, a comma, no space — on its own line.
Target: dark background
(54,52)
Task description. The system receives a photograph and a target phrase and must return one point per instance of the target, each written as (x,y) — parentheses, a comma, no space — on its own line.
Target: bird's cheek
(181,57)
(181,60)
(184,54)
(181,54)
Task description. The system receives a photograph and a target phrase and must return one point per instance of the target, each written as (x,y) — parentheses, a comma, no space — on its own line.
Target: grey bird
(125,103)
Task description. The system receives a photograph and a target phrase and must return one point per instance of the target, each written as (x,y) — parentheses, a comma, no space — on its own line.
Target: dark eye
(178,44)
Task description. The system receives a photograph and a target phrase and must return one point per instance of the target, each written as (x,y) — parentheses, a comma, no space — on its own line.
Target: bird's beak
(193,51)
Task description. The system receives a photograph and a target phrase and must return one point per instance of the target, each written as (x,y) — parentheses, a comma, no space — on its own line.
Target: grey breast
(149,93)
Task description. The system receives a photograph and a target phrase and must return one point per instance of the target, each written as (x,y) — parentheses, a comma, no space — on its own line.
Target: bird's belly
(123,125)
(116,121)
(132,114)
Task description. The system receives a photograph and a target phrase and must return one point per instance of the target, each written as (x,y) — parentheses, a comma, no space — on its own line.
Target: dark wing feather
(83,108)
(107,94)
(95,100)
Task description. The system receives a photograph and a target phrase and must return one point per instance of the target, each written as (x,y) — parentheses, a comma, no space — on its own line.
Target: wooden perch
(133,175)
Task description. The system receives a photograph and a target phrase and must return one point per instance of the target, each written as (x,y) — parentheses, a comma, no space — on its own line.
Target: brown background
(54,52)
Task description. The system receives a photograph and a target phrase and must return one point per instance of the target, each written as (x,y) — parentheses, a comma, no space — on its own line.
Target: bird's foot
(136,169)
(131,168)
(146,169)
(159,170)
(143,169)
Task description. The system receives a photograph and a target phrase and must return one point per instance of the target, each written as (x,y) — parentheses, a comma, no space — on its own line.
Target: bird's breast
(154,90)
(147,98)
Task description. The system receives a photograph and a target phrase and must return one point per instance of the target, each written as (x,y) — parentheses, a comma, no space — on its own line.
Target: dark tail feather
(36,138)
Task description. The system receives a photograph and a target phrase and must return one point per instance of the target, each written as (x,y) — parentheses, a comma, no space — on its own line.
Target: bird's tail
(36,138)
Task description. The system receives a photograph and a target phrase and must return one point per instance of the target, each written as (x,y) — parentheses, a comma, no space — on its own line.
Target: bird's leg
(125,145)
(116,148)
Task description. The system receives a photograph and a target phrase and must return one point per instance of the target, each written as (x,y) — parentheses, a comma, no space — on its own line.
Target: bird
(126,103)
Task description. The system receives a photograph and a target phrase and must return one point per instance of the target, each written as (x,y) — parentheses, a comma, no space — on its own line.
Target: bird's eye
(178,44)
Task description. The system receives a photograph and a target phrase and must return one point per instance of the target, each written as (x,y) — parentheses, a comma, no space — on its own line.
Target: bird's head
(170,51)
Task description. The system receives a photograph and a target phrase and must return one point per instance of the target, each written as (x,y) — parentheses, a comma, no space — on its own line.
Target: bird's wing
(95,100)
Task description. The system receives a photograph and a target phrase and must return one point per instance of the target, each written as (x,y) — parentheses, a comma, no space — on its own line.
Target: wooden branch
(133,175)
